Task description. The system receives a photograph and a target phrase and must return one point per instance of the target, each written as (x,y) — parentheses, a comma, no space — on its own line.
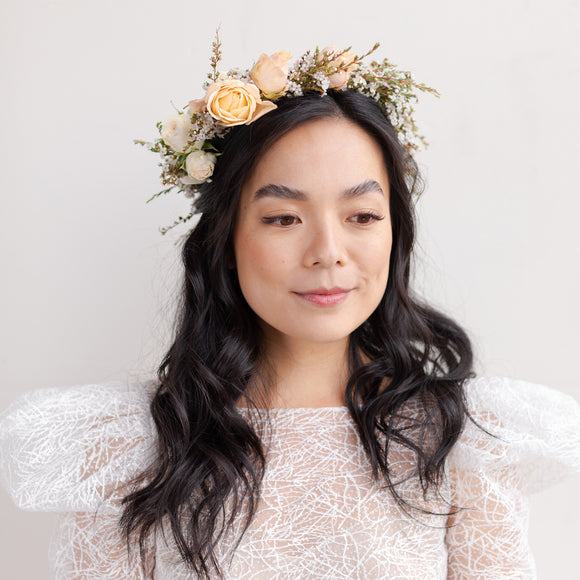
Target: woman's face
(312,238)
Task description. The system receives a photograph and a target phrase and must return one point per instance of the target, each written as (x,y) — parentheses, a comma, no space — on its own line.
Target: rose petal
(261,109)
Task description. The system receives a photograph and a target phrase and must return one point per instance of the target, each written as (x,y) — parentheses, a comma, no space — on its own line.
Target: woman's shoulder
(525,428)
(74,448)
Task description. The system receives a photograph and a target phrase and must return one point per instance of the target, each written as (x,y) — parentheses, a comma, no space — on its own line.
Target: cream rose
(175,132)
(338,79)
(234,102)
(199,166)
(270,73)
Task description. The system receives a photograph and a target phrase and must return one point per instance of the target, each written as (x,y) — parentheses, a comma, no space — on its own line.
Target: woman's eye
(366,218)
(281,220)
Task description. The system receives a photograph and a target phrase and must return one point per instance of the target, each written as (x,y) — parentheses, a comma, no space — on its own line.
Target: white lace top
(321,515)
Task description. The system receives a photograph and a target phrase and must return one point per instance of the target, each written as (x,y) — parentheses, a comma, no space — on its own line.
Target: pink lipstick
(324,296)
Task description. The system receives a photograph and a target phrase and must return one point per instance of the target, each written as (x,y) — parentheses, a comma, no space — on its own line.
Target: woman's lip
(324,297)
(335,290)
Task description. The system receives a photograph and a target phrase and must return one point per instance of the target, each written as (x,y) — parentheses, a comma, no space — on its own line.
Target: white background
(88,282)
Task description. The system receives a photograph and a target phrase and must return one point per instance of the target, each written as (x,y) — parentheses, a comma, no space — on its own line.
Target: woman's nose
(325,247)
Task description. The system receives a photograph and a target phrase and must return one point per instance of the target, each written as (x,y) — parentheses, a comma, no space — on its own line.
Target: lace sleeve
(90,546)
(75,449)
(535,442)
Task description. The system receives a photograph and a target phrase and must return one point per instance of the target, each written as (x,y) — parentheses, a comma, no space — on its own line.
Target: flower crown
(190,140)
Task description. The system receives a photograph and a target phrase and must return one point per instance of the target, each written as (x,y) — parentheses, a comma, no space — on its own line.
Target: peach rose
(199,166)
(234,102)
(270,74)
(175,132)
(338,79)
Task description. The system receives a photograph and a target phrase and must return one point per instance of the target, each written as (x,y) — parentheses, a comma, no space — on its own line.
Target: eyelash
(277,219)
(370,216)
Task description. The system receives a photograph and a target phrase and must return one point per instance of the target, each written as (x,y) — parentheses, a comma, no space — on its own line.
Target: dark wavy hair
(208,451)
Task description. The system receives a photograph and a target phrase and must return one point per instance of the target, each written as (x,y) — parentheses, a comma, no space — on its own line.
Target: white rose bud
(199,165)
(175,132)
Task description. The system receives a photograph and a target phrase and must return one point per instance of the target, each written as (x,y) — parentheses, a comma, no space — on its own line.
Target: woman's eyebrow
(362,188)
(285,192)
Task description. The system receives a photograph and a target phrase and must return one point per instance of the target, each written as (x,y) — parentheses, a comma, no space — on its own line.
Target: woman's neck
(306,374)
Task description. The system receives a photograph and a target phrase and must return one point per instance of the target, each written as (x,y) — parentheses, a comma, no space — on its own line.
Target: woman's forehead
(327,153)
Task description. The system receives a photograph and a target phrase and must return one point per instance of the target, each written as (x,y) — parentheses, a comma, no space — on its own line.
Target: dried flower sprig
(189,143)
(216,56)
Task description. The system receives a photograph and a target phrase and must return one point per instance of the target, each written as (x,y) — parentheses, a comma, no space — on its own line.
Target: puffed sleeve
(69,449)
(532,441)
(74,450)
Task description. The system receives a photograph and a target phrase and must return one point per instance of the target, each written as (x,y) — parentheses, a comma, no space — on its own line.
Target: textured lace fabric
(321,515)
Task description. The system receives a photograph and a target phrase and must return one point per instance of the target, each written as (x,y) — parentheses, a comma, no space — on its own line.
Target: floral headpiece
(190,139)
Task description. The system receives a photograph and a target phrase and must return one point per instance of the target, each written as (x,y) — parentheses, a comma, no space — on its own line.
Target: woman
(312,418)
